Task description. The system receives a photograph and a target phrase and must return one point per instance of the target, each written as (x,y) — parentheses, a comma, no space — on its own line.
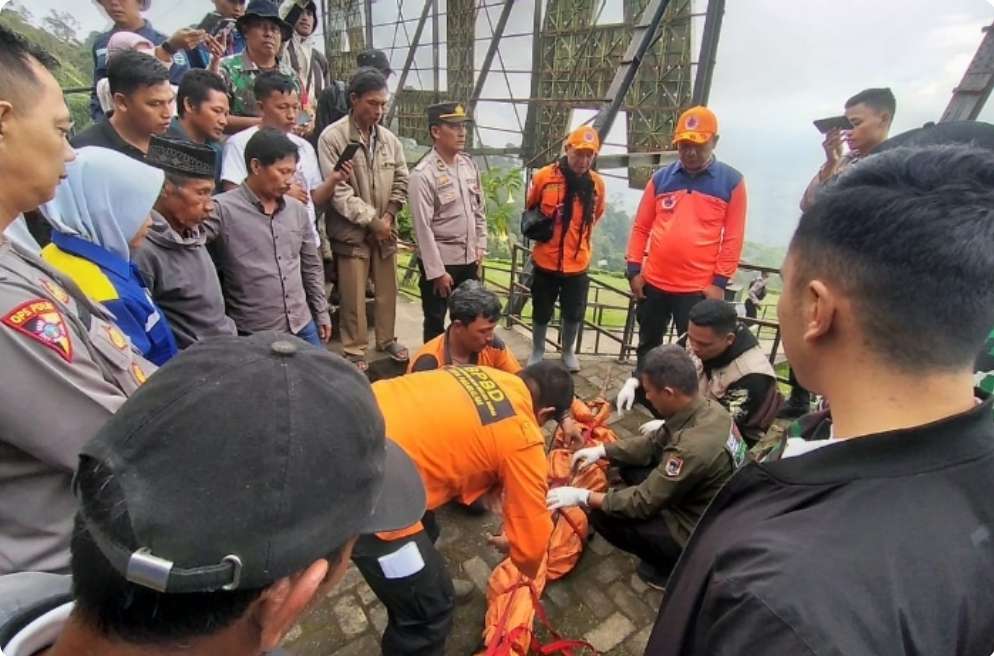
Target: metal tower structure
(644,66)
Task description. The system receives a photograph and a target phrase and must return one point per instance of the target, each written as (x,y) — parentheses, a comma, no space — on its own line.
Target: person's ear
(120,102)
(254,166)
(284,602)
(545,414)
(819,310)
(6,116)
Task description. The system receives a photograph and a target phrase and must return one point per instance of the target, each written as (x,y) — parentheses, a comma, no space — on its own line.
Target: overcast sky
(781,63)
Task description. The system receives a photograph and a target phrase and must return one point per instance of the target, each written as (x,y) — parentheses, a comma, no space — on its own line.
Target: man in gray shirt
(271,272)
(174,260)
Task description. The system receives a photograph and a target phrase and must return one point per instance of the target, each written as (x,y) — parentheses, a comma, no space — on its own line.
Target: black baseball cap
(244,460)
(375,58)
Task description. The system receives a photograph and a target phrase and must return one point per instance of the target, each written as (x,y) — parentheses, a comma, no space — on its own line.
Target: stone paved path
(601,601)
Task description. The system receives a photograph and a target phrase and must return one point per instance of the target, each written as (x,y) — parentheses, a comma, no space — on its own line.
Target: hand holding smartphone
(346,155)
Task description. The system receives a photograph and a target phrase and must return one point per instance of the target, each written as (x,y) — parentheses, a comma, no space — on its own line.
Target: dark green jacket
(694,453)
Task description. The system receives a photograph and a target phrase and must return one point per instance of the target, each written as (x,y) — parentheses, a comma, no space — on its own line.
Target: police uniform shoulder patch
(673,466)
(41,321)
(59,294)
(138,373)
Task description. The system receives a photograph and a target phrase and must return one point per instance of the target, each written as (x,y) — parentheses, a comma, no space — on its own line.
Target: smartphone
(303,118)
(826,125)
(225,28)
(347,155)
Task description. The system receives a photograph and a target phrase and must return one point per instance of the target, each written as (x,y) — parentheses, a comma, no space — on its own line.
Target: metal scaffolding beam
(975,87)
(709,51)
(410,60)
(642,37)
(488,59)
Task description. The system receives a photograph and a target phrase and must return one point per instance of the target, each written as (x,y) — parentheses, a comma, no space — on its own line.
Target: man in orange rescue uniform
(571,195)
(470,431)
(687,237)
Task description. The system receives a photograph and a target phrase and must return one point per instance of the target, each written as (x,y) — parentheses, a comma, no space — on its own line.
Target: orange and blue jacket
(470,431)
(689,229)
(435,354)
(567,253)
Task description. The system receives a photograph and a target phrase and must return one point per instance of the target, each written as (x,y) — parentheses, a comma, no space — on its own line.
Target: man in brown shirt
(271,272)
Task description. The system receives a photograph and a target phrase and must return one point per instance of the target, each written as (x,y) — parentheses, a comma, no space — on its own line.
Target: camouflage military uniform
(239,74)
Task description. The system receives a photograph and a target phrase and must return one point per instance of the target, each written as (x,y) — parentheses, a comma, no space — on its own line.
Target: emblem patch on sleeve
(673,466)
(41,321)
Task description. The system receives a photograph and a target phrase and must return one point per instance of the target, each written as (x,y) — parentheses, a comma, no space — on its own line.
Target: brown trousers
(352,275)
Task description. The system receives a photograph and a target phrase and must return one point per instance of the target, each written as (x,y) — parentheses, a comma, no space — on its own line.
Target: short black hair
(269,145)
(196,86)
(907,235)
(671,366)
(715,314)
(270,82)
(553,386)
(131,70)
(878,99)
(125,611)
(471,300)
(16,55)
(365,80)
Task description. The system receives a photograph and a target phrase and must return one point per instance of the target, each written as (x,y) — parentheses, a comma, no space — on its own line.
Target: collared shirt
(103,135)
(179,66)
(436,354)
(239,73)
(308,172)
(71,370)
(693,453)
(879,544)
(183,282)
(689,230)
(108,279)
(176,131)
(448,212)
(816,184)
(271,271)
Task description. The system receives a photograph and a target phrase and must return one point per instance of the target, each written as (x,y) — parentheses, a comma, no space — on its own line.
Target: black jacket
(752,400)
(877,546)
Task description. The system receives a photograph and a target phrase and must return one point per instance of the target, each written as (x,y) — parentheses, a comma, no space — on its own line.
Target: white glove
(588,456)
(626,397)
(566,497)
(650,427)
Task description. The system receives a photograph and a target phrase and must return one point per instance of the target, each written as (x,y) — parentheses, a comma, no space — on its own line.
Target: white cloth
(18,233)
(797,446)
(105,199)
(233,168)
(40,633)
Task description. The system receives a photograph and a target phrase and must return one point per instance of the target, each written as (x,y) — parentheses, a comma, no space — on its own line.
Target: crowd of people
(186,466)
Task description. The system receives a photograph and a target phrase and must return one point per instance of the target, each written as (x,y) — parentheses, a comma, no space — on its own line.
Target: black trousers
(752,310)
(433,306)
(571,290)
(419,606)
(654,313)
(649,539)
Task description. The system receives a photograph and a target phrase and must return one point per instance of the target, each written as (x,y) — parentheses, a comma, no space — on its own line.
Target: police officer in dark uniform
(69,368)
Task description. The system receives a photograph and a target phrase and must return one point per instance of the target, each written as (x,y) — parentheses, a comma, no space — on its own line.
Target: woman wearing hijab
(100,213)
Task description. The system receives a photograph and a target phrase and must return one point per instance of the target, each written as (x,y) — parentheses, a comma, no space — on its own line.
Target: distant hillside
(76,68)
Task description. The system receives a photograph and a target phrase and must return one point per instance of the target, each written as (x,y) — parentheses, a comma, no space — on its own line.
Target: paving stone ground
(601,601)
